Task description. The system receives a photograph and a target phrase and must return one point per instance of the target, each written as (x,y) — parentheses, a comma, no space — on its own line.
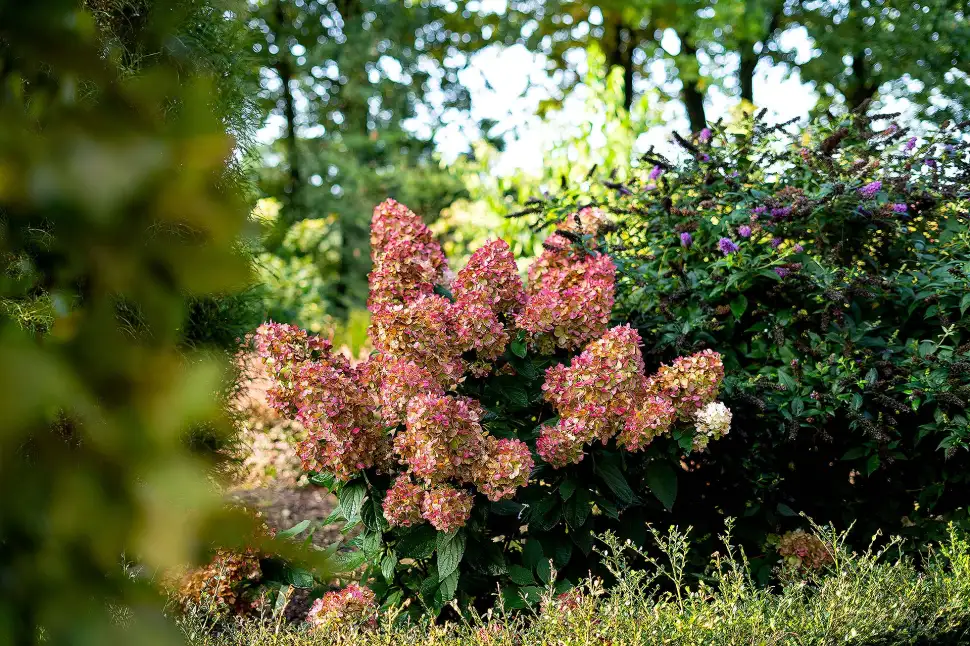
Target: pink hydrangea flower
(569,301)
(402,504)
(444,438)
(421,332)
(690,383)
(352,605)
(446,507)
(652,417)
(490,279)
(506,467)
(408,262)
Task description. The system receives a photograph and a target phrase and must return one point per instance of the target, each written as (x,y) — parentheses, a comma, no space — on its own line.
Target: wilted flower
(352,605)
(403,380)
(803,551)
(727,246)
(446,508)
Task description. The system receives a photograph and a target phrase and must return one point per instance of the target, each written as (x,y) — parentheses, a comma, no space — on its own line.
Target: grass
(875,597)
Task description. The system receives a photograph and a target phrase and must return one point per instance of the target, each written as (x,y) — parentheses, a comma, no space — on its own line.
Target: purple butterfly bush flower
(758,210)
(781,212)
(911,143)
(950,148)
(656,172)
(869,190)
(686,240)
(781,271)
(900,207)
(929,161)
(775,243)
(744,231)
(727,246)
(705,157)
(704,135)
(799,248)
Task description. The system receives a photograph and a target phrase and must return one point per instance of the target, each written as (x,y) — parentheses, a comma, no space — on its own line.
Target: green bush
(830,267)
(873,597)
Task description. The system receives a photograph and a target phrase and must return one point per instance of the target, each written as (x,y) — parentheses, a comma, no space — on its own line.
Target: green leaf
(388,563)
(298,577)
(532,552)
(566,488)
(519,349)
(608,468)
(544,570)
(419,543)
(797,406)
(872,464)
(299,528)
(325,480)
(739,305)
(964,303)
(785,510)
(521,575)
(578,508)
(853,454)
(351,500)
(451,549)
(531,594)
(446,591)
(662,480)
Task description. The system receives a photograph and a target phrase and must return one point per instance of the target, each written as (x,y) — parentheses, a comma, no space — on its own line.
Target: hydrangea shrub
(830,264)
(498,425)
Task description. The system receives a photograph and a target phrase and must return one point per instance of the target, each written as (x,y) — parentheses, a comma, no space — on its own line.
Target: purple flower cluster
(744,231)
(869,190)
(727,246)
(686,240)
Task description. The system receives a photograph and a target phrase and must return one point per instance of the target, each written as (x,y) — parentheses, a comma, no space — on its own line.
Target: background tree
(859,47)
(352,81)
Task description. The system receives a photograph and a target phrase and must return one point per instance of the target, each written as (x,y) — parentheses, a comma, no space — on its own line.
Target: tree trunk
(284,70)
(749,61)
(863,87)
(692,95)
(621,55)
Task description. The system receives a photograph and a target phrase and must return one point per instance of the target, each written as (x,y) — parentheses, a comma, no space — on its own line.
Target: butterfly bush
(416,428)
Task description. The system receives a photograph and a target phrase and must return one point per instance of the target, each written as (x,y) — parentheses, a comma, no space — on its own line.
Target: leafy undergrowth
(875,597)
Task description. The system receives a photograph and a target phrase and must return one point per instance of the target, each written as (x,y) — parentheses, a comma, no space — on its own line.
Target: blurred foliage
(858,49)
(116,218)
(830,267)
